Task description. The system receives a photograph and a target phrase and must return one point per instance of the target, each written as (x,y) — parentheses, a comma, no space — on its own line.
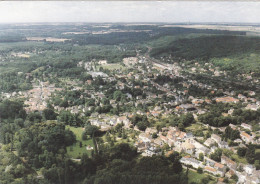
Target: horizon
(129,12)
(147,23)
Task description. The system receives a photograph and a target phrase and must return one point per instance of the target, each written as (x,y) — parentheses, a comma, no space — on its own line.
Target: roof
(226,99)
(188,145)
(219,165)
(211,169)
(244,134)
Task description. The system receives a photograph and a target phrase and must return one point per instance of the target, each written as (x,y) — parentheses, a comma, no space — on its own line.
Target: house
(112,122)
(150,130)
(241,177)
(214,171)
(220,167)
(189,135)
(105,127)
(209,142)
(230,173)
(191,161)
(246,137)
(238,141)
(209,161)
(124,120)
(152,150)
(158,142)
(145,137)
(252,107)
(141,146)
(188,147)
(210,170)
(249,169)
(227,100)
(246,126)
(227,161)
(97,123)
(223,144)
(102,62)
(202,150)
(216,138)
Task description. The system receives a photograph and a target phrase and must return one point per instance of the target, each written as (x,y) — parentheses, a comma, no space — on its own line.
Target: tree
(201,157)
(200,170)
(141,126)
(49,114)
(250,154)
(91,130)
(241,151)
(175,160)
(216,155)
(257,164)
(154,135)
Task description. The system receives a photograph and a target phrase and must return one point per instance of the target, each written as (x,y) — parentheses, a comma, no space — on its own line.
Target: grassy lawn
(195,127)
(75,150)
(239,159)
(195,177)
(113,66)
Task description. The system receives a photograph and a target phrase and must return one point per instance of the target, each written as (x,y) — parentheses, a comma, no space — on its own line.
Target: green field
(113,66)
(195,177)
(245,62)
(196,127)
(75,151)
(4,46)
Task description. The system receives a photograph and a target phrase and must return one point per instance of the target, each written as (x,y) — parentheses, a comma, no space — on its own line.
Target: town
(157,104)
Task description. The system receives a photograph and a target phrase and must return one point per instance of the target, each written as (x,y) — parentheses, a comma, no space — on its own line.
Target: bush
(199,170)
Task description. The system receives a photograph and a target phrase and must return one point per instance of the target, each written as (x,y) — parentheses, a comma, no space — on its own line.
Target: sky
(129,11)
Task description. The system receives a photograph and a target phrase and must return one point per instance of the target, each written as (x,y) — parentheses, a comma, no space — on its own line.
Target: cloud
(128,11)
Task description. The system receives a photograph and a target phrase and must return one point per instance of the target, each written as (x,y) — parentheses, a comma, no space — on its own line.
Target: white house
(191,161)
(145,137)
(246,126)
(249,169)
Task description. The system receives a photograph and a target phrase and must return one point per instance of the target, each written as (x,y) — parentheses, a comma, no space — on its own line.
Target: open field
(195,127)
(113,66)
(75,150)
(193,176)
(4,46)
(47,39)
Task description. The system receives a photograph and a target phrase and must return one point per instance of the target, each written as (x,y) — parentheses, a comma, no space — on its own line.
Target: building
(249,169)
(191,161)
(210,170)
(246,126)
(152,150)
(209,142)
(227,161)
(188,147)
(216,138)
(227,100)
(145,137)
(246,137)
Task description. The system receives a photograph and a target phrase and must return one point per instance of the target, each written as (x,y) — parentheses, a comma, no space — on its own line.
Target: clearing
(75,151)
